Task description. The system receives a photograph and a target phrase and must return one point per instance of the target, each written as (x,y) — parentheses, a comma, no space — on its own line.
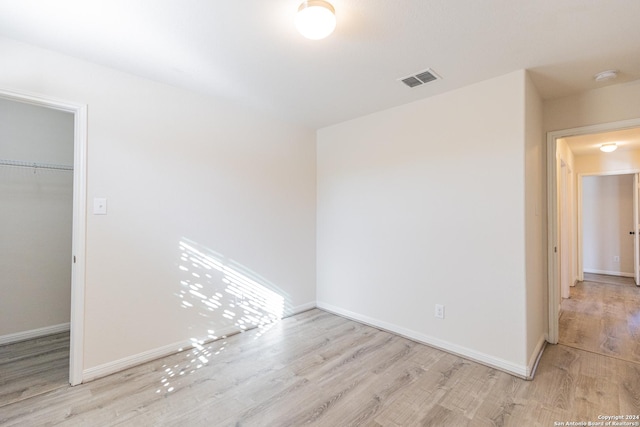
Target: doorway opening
(607,212)
(78,228)
(565,255)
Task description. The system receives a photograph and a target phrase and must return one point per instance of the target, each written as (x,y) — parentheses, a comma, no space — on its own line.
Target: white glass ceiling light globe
(315,19)
(609,148)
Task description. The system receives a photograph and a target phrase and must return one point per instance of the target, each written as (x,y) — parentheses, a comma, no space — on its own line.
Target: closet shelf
(35,165)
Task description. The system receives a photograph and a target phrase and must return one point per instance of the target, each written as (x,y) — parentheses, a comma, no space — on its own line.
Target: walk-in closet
(36,202)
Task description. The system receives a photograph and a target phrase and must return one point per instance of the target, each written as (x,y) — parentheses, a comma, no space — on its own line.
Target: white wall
(603,105)
(35,219)
(535,222)
(424,204)
(567,227)
(617,161)
(607,218)
(238,187)
(565,154)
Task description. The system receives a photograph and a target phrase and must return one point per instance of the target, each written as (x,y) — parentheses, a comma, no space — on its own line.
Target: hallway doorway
(578,151)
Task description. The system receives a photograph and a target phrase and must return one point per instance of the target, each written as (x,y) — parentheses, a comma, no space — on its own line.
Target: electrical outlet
(616,258)
(439,311)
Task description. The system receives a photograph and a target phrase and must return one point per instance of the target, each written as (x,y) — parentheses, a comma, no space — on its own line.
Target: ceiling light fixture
(608,148)
(606,75)
(316,19)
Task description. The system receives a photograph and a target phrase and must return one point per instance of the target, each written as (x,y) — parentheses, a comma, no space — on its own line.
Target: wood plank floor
(33,367)
(603,316)
(316,368)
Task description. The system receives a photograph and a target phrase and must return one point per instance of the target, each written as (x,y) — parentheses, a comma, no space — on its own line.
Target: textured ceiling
(249,52)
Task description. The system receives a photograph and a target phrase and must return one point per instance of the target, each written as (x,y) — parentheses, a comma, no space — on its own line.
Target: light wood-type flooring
(316,368)
(603,316)
(33,367)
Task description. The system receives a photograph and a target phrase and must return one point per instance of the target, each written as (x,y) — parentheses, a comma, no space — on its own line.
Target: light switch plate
(99,206)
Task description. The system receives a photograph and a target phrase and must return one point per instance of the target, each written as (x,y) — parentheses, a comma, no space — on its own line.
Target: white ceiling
(627,140)
(249,52)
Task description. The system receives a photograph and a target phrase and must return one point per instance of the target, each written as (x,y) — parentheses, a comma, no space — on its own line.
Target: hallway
(603,316)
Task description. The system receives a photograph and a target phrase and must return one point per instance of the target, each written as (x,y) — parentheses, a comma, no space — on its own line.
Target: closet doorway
(42,190)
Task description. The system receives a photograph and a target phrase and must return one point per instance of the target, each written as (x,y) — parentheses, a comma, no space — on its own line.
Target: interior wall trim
(535,357)
(608,272)
(520,371)
(34,333)
(116,366)
(119,365)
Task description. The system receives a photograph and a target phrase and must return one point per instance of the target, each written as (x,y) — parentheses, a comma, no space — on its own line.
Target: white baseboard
(535,357)
(608,273)
(300,308)
(521,371)
(34,333)
(109,368)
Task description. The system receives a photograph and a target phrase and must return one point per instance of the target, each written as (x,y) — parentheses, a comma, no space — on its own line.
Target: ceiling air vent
(420,78)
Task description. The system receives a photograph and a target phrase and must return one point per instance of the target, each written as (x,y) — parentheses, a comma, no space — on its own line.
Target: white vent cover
(420,78)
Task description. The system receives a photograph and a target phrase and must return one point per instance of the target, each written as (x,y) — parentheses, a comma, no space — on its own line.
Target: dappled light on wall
(212,284)
(230,298)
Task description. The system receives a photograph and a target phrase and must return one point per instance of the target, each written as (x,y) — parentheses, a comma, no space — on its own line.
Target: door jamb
(552,212)
(78,245)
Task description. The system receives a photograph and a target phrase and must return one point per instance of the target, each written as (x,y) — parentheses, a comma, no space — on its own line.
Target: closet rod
(35,165)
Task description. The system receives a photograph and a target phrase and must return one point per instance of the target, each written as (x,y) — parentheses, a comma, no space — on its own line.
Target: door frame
(553,219)
(565,230)
(636,230)
(78,240)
